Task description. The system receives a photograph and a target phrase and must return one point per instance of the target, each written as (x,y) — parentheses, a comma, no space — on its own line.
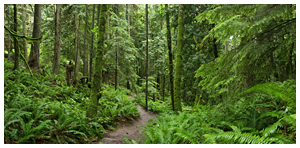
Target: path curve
(128,130)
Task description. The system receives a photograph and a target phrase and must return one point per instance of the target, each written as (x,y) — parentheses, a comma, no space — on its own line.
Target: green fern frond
(288,119)
(274,89)
(238,137)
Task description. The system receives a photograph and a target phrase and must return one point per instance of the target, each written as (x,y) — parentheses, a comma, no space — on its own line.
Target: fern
(246,138)
(276,90)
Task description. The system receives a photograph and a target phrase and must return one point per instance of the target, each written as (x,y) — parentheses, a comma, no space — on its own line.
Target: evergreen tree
(97,75)
(177,91)
(24,30)
(56,60)
(34,57)
(16,46)
(147,58)
(170,56)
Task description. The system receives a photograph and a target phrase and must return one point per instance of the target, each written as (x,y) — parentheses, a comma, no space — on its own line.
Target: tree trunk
(147,57)
(34,57)
(77,52)
(56,60)
(85,67)
(92,46)
(128,30)
(163,88)
(24,31)
(177,92)
(17,52)
(96,83)
(116,69)
(9,42)
(98,14)
(170,56)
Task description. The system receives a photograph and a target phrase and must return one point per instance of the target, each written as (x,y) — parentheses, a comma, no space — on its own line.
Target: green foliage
(44,110)
(255,120)
(115,106)
(128,142)
(284,91)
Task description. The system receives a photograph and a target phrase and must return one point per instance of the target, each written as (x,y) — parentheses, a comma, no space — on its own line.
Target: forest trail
(128,130)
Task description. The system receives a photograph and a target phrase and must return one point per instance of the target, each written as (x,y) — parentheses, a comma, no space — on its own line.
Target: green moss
(177,92)
(97,75)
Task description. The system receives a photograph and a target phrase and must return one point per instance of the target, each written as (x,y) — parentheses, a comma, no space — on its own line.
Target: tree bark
(56,60)
(116,69)
(170,56)
(85,65)
(24,31)
(163,88)
(177,92)
(77,51)
(34,57)
(96,83)
(9,42)
(17,52)
(147,57)
(92,46)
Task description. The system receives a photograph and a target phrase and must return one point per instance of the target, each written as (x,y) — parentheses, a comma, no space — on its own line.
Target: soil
(129,130)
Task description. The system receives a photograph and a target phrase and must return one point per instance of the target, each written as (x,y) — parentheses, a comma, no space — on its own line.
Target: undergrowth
(266,114)
(42,109)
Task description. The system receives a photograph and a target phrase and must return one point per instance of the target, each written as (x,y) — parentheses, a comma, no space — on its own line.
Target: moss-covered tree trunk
(177,92)
(8,37)
(56,59)
(85,63)
(77,52)
(147,57)
(97,75)
(24,31)
(163,87)
(34,57)
(17,53)
(116,67)
(92,46)
(170,56)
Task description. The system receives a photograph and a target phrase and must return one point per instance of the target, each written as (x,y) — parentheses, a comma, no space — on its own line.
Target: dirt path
(128,130)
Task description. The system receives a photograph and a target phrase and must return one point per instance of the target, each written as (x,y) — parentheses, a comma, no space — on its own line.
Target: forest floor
(128,130)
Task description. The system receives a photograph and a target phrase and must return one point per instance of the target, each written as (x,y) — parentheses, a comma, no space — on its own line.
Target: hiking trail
(129,130)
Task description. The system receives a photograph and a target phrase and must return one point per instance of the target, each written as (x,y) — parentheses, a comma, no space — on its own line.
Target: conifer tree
(92,47)
(24,30)
(97,75)
(147,58)
(17,52)
(56,60)
(170,56)
(177,91)
(34,57)
(77,51)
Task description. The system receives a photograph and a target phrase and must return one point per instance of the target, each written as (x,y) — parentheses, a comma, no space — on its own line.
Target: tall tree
(56,60)
(117,48)
(147,58)
(170,56)
(77,50)
(9,42)
(177,91)
(34,60)
(17,53)
(24,30)
(97,76)
(92,46)
(85,64)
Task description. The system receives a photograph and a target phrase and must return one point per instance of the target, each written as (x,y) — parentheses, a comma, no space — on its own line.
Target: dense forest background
(213,73)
